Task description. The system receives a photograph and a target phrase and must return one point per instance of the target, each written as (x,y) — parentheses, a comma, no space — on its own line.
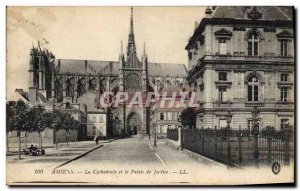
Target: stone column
(243,94)
(208,87)
(208,40)
(235,37)
(242,46)
(75,87)
(64,86)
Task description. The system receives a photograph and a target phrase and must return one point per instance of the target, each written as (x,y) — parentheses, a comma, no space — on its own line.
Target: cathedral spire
(131,21)
(121,47)
(144,51)
(131,42)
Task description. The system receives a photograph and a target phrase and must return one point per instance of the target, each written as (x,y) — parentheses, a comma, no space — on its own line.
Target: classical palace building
(77,85)
(241,58)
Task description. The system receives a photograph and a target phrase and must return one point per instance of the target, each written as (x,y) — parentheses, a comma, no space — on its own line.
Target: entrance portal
(134,123)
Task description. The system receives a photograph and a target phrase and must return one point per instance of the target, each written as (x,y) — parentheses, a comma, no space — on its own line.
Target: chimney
(208,12)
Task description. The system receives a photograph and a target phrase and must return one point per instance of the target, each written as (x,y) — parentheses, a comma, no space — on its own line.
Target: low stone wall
(48,137)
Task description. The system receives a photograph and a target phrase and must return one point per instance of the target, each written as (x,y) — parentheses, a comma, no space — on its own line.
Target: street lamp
(255,131)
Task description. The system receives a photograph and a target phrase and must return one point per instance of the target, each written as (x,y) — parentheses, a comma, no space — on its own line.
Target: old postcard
(150,95)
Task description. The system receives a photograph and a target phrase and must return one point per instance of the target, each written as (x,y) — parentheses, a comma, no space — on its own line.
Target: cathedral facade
(77,85)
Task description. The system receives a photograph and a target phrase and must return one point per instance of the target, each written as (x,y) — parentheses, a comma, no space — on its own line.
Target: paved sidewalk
(173,157)
(55,156)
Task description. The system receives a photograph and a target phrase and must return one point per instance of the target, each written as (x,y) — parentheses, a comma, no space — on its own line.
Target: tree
(75,127)
(41,119)
(188,118)
(9,119)
(57,123)
(20,120)
(68,125)
(47,118)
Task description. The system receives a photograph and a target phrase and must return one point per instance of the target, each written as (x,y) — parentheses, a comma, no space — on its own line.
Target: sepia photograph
(150,95)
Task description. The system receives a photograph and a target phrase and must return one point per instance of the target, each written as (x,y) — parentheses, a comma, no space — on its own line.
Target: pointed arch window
(253,44)
(253,89)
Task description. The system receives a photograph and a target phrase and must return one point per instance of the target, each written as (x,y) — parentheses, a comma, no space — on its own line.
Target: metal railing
(238,147)
(172,134)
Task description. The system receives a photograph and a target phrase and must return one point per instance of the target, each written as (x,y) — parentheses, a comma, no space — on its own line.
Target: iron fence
(172,134)
(239,147)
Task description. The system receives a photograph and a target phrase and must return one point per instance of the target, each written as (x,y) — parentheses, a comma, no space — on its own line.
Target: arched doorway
(134,123)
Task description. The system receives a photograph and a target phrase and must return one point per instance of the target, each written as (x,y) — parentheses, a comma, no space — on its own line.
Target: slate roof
(241,12)
(86,67)
(252,16)
(164,69)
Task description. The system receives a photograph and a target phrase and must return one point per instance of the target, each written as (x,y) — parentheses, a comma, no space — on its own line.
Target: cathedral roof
(163,69)
(94,67)
(86,67)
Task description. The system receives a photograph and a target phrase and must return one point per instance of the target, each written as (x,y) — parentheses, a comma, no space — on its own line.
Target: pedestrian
(96,139)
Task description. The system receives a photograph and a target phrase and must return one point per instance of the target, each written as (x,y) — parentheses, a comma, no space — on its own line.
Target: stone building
(239,58)
(71,83)
(166,117)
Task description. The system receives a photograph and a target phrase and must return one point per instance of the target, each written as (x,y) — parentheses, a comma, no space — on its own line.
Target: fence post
(256,151)
(269,144)
(228,144)
(222,136)
(240,144)
(216,139)
(286,136)
(180,138)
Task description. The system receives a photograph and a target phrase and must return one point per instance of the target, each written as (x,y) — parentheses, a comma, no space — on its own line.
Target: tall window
(284,47)
(284,94)
(222,123)
(222,94)
(284,77)
(284,123)
(222,46)
(222,76)
(162,116)
(253,44)
(169,115)
(253,84)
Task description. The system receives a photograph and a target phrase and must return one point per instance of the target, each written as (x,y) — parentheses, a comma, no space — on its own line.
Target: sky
(95,33)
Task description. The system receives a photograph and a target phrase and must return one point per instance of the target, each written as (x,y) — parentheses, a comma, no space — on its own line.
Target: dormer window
(283,47)
(222,46)
(223,36)
(284,38)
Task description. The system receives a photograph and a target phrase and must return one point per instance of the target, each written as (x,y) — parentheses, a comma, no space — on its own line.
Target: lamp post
(154,124)
(255,132)
(228,120)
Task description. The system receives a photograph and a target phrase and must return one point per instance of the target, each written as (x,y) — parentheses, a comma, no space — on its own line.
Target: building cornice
(241,23)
